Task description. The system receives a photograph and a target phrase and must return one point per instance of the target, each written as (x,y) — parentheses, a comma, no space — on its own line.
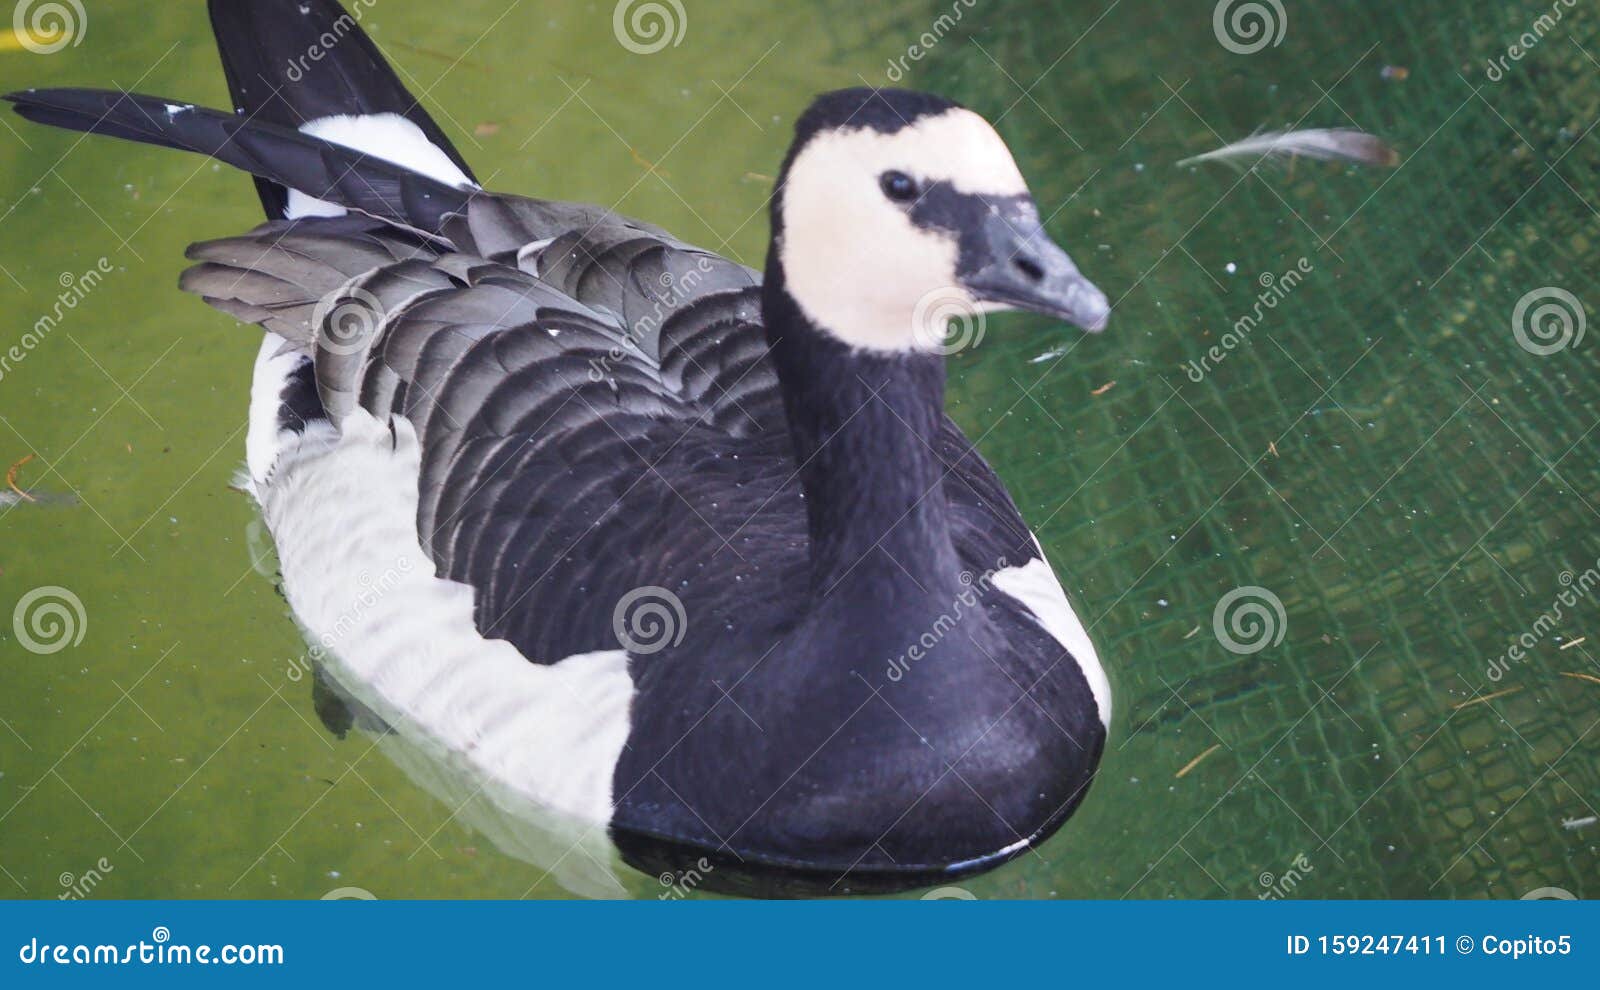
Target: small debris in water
(1573,824)
(1571,643)
(433,53)
(1190,633)
(486,129)
(1395,73)
(1196,761)
(11,478)
(1230,268)
(1487,697)
(648,165)
(25,38)
(1102,390)
(1581,677)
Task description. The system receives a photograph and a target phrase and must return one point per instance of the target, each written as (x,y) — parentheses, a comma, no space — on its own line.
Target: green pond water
(1378,452)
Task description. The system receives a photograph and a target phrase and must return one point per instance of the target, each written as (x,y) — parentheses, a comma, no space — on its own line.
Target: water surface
(1378,453)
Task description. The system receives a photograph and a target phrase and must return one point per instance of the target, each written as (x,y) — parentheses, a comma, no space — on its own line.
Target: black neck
(865,428)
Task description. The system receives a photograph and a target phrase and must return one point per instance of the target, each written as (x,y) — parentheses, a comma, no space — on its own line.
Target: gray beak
(1011,262)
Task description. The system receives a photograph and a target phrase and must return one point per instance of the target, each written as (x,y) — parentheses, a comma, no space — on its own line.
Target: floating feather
(1338,144)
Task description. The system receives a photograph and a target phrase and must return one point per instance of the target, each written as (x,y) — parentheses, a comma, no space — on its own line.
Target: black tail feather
(292,61)
(269,151)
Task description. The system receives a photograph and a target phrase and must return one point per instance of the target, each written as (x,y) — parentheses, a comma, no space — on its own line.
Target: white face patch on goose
(854,260)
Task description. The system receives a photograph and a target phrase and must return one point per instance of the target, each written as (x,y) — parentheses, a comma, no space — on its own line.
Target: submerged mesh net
(1378,452)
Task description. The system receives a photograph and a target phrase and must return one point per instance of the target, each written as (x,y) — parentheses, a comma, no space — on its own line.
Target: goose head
(898,210)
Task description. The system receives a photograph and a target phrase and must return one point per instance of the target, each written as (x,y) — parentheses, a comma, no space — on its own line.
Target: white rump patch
(1034,584)
(342,507)
(382,135)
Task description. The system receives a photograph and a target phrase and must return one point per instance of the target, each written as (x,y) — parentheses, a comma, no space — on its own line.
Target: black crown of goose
(601,408)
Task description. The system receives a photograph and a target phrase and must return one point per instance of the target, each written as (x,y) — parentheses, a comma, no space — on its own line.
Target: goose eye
(898,186)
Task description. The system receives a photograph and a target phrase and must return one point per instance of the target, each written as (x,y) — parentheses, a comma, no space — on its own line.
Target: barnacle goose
(483,427)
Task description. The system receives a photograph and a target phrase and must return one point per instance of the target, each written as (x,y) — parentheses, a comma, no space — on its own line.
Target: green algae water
(1326,491)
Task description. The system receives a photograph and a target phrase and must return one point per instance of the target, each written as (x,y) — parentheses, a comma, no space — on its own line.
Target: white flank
(272,372)
(342,508)
(1035,585)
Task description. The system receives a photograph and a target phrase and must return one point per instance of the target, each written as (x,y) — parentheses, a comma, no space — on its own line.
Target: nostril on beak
(1029,268)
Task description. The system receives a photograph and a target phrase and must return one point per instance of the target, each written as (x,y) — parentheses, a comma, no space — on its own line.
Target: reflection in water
(577,855)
